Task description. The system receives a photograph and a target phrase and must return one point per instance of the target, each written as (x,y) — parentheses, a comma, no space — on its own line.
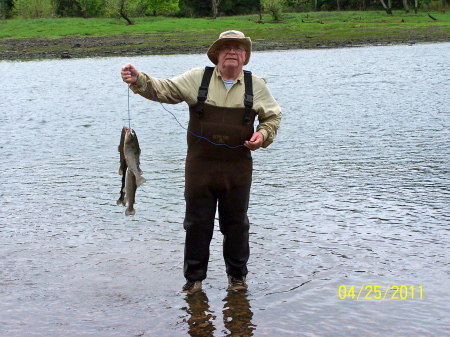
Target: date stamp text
(372,292)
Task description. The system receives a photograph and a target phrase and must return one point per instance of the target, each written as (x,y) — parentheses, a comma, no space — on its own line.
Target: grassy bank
(91,37)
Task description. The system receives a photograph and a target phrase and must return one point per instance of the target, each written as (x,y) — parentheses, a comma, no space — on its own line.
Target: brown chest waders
(219,177)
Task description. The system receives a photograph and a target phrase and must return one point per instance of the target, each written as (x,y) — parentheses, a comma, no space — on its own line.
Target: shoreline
(141,45)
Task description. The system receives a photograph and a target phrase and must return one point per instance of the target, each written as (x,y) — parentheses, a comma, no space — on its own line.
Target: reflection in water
(237,315)
(200,320)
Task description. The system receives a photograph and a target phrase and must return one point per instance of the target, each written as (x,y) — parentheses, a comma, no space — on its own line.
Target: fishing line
(176,119)
(129,114)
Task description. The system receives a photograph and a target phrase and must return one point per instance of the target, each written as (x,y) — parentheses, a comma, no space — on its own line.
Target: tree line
(129,9)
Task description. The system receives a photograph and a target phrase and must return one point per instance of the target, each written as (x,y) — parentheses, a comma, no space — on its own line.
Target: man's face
(231,55)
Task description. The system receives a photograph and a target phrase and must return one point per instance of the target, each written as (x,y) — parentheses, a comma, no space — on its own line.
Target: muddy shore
(80,47)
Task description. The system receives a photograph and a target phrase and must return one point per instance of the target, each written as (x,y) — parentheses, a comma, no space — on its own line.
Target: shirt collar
(239,79)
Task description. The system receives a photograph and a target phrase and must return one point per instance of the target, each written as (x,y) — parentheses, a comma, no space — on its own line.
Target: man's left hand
(255,142)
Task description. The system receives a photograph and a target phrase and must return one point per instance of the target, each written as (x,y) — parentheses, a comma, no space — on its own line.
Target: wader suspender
(248,98)
(203,90)
(203,93)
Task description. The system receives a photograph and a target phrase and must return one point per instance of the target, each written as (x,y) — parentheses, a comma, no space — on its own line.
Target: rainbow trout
(129,169)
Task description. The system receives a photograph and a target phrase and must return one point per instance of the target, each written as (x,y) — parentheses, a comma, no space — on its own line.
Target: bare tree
(118,8)
(405,5)
(53,4)
(387,8)
(123,12)
(215,7)
(37,13)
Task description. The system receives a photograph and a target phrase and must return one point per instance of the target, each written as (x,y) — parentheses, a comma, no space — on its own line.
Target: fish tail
(129,211)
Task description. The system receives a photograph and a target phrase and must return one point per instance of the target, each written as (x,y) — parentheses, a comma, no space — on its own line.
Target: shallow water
(355,191)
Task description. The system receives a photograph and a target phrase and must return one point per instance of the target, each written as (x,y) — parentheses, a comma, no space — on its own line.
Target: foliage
(68,8)
(239,7)
(34,9)
(90,8)
(194,8)
(6,7)
(156,7)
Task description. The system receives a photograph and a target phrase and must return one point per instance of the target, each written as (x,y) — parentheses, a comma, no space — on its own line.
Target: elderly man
(223,102)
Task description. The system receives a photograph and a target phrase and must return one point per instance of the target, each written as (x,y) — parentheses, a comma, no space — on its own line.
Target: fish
(129,169)
(132,153)
(123,167)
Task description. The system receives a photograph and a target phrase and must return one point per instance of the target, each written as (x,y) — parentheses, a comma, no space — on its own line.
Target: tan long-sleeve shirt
(184,88)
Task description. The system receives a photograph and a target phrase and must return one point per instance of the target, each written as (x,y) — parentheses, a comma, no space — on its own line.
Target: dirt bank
(79,47)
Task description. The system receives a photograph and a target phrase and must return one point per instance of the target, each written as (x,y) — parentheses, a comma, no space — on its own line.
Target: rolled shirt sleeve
(268,110)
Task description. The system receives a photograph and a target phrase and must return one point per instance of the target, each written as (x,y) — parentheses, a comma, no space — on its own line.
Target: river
(350,206)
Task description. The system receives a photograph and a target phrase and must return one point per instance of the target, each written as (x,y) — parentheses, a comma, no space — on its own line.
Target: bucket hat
(230,35)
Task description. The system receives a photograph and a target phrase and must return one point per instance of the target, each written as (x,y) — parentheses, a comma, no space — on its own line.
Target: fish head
(129,135)
(131,141)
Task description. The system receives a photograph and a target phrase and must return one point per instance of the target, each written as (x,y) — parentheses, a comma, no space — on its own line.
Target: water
(355,191)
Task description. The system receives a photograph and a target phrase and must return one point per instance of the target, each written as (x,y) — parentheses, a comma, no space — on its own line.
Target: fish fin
(130,211)
(140,181)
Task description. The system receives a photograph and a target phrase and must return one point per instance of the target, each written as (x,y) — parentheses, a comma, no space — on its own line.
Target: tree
(215,8)
(387,8)
(155,7)
(405,5)
(299,5)
(33,8)
(129,8)
(123,13)
(238,7)
(5,8)
(274,7)
(90,8)
(68,8)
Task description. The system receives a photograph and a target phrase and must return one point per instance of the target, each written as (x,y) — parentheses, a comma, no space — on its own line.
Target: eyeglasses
(236,48)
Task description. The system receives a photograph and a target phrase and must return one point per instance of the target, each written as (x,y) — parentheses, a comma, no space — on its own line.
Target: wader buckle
(248,102)
(202,94)
(203,90)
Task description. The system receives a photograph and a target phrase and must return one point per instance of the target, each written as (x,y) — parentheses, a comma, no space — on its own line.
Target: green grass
(337,24)
(161,35)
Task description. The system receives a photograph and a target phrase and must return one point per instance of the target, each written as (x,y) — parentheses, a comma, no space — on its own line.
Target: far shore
(58,38)
(83,47)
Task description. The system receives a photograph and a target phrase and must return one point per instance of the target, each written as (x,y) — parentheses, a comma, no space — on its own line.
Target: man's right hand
(129,73)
